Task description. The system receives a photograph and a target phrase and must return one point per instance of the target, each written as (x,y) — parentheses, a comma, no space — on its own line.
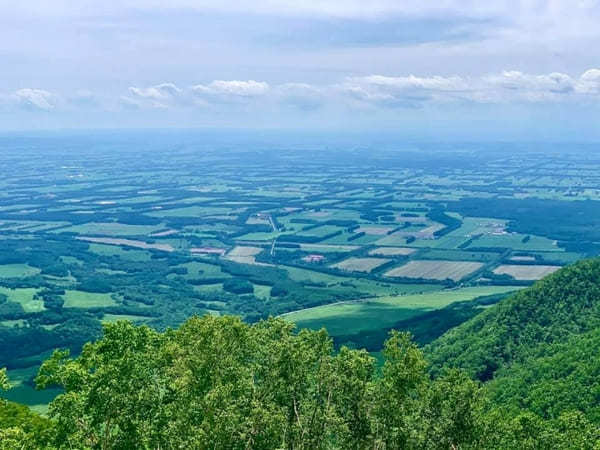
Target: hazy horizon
(454,70)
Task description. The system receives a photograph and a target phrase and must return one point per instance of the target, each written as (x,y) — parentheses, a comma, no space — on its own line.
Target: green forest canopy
(217,382)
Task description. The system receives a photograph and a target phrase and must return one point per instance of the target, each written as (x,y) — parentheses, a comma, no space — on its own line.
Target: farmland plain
(137,227)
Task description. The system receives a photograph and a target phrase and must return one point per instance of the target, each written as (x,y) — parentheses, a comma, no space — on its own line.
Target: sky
(449,68)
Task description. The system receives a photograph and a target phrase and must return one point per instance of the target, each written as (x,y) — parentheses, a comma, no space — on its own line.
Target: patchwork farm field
(392,251)
(525,272)
(435,270)
(360,264)
(94,230)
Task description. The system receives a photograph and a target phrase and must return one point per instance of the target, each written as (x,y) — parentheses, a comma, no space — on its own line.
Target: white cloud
(589,82)
(513,85)
(372,91)
(36,99)
(162,91)
(555,83)
(407,91)
(232,89)
(160,96)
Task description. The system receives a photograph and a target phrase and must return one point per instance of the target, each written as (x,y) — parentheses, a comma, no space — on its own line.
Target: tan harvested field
(392,251)
(128,243)
(164,233)
(435,270)
(258,221)
(374,230)
(245,251)
(244,255)
(208,251)
(360,264)
(525,272)
(523,258)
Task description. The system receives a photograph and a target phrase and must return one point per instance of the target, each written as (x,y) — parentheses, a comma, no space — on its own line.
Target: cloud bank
(372,91)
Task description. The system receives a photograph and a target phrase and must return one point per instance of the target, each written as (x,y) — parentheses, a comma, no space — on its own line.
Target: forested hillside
(565,377)
(525,325)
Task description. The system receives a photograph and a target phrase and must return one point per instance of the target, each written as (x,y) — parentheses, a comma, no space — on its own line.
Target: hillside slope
(565,378)
(525,325)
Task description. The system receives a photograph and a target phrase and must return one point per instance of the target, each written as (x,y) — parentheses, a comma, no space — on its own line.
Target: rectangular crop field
(392,251)
(435,270)
(244,255)
(525,272)
(360,264)
(374,230)
(81,299)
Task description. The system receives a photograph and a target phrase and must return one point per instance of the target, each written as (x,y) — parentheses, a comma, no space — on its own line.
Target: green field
(81,299)
(381,312)
(184,227)
(25,297)
(17,270)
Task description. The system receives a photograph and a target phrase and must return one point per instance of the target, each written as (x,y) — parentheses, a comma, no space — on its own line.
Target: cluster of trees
(220,383)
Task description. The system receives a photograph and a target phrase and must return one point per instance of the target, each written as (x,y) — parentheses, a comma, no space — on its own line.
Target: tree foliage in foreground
(219,383)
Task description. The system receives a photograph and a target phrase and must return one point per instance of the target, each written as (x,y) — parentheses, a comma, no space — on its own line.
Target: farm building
(313,258)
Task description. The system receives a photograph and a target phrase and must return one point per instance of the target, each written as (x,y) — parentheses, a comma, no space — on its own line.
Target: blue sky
(455,68)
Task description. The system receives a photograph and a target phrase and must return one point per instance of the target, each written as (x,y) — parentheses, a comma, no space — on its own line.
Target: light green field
(262,291)
(367,286)
(81,299)
(213,287)
(113,250)
(71,260)
(393,240)
(203,270)
(344,239)
(380,288)
(321,231)
(445,242)
(559,257)
(515,242)
(375,313)
(12,323)
(313,276)
(259,236)
(458,255)
(17,270)
(24,296)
